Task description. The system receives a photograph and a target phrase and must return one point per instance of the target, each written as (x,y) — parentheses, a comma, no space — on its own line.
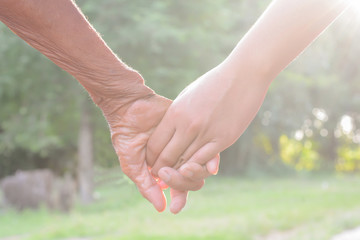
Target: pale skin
(213,112)
(59,30)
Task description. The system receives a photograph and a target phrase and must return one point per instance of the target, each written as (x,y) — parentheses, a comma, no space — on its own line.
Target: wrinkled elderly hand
(131,126)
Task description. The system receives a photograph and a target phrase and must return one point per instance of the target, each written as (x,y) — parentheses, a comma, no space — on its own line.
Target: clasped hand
(131,127)
(160,143)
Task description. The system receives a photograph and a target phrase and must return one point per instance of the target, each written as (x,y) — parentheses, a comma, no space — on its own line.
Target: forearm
(284,30)
(59,30)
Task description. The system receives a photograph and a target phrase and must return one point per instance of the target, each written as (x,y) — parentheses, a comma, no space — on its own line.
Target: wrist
(253,62)
(117,87)
(246,72)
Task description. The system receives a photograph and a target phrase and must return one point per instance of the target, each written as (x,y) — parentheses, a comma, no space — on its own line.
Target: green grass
(227,208)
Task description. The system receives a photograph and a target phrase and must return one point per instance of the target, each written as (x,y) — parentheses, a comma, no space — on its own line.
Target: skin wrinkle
(114,115)
(99,81)
(131,162)
(132,109)
(122,105)
(129,130)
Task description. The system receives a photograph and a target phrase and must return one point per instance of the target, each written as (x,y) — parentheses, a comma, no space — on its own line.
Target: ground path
(20,237)
(353,234)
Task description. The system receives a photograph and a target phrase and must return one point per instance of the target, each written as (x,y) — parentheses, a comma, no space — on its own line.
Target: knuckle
(165,159)
(194,126)
(200,174)
(181,185)
(176,112)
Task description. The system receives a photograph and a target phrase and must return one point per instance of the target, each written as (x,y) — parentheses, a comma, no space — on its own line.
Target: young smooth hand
(212,112)
(206,118)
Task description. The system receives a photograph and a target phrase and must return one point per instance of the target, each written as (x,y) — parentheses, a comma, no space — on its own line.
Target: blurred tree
(172,43)
(85,169)
(32,119)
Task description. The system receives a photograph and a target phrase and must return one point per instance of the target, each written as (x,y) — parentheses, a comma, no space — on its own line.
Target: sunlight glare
(355,6)
(346,124)
(299,135)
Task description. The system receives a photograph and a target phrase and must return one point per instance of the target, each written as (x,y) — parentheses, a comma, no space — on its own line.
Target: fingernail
(213,168)
(164,175)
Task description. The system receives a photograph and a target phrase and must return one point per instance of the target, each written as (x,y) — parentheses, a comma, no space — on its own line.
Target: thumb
(178,200)
(147,186)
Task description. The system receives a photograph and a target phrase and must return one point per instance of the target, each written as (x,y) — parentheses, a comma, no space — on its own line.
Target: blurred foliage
(302,156)
(171,43)
(348,158)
